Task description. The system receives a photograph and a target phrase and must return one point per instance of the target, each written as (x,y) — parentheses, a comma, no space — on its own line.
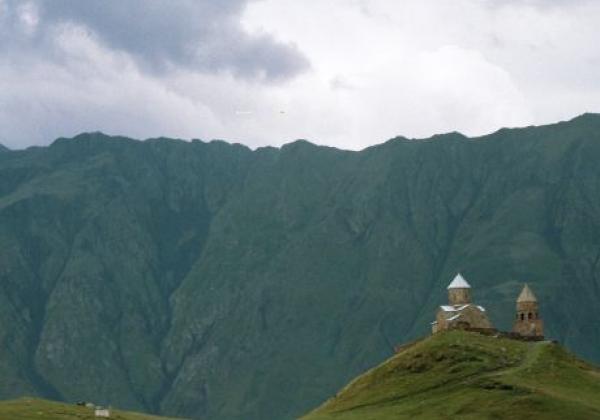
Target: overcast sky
(348,73)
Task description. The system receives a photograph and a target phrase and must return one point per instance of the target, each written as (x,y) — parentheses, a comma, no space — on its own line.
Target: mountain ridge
(587,116)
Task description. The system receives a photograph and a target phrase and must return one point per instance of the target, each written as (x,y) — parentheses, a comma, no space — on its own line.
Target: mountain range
(211,281)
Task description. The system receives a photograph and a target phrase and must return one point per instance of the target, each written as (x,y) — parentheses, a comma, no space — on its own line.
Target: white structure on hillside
(102,412)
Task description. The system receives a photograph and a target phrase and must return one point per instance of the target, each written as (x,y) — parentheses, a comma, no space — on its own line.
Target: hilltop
(209,280)
(470,376)
(31,408)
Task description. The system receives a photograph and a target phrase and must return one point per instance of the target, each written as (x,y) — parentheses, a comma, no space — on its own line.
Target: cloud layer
(348,73)
(202,35)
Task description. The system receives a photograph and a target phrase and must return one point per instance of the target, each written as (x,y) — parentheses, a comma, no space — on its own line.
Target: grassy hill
(29,409)
(470,376)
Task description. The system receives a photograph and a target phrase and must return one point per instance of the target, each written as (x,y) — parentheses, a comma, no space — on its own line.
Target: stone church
(462,313)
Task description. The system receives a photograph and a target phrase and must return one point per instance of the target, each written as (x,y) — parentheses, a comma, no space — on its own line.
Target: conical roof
(526,295)
(459,282)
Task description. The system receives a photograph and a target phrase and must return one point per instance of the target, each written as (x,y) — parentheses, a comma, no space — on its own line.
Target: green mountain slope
(30,409)
(469,376)
(211,281)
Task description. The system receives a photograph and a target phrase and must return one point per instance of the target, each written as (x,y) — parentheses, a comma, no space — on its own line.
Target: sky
(344,73)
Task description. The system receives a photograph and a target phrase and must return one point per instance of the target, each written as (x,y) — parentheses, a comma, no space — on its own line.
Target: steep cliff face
(209,280)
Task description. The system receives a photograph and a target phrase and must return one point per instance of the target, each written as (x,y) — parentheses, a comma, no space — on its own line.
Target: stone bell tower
(528,322)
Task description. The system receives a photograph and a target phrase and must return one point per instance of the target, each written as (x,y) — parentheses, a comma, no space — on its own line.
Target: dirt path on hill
(533,351)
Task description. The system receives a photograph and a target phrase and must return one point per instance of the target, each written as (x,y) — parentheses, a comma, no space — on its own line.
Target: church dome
(459,282)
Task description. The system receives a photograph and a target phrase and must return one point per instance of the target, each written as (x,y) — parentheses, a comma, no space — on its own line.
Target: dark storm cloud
(203,35)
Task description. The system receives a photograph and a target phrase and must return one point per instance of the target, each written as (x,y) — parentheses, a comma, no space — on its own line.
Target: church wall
(527,320)
(475,318)
(527,308)
(529,328)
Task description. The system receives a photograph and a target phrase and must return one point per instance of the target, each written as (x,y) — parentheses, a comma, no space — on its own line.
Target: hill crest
(464,374)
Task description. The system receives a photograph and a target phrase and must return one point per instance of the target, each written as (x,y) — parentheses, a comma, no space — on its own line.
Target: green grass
(30,408)
(459,375)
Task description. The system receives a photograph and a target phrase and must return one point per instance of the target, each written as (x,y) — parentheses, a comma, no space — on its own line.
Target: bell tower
(528,322)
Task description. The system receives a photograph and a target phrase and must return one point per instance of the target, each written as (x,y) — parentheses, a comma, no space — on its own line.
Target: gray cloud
(378,68)
(202,35)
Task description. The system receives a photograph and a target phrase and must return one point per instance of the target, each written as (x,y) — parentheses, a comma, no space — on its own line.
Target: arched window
(530,315)
(522,317)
